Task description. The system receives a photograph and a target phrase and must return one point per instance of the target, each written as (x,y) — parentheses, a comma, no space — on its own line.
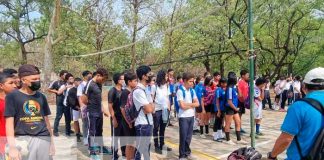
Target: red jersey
(3,139)
(243,88)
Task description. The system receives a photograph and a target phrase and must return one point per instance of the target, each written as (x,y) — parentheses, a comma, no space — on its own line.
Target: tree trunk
(133,49)
(222,68)
(48,57)
(23,54)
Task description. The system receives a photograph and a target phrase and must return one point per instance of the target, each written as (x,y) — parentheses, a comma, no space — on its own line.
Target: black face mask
(35,85)
(149,79)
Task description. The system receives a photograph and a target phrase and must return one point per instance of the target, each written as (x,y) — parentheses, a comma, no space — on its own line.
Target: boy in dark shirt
(116,116)
(26,115)
(93,91)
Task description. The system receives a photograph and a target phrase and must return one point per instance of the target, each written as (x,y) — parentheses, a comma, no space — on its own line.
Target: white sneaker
(242,142)
(183,159)
(85,142)
(190,157)
(230,142)
(203,136)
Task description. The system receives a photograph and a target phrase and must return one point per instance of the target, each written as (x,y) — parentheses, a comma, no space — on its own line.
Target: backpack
(245,154)
(177,105)
(317,150)
(131,113)
(72,99)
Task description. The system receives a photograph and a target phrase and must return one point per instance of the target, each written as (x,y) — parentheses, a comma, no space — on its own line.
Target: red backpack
(130,109)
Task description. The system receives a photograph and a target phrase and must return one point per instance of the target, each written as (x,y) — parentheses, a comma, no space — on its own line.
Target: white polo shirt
(161,96)
(186,99)
(141,98)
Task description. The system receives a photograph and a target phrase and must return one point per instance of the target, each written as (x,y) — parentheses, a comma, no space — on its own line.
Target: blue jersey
(199,91)
(221,96)
(232,94)
(305,122)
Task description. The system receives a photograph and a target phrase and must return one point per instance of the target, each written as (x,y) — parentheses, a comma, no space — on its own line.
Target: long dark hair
(207,81)
(231,79)
(160,78)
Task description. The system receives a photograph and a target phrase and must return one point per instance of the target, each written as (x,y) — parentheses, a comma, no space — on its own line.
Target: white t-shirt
(80,88)
(187,99)
(257,93)
(287,85)
(161,96)
(141,98)
(296,86)
(65,93)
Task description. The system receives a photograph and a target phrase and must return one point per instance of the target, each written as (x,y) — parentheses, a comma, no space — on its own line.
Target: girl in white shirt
(160,94)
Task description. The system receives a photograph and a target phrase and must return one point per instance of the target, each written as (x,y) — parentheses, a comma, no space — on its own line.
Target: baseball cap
(27,70)
(315,76)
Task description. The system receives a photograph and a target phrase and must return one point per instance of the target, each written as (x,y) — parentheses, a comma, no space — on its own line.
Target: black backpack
(245,153)
(72,99)
(317,150)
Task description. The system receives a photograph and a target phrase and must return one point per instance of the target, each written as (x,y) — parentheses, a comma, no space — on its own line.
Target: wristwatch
(269,156)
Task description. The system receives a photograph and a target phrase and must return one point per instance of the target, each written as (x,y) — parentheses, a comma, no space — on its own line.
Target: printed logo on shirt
(32,112)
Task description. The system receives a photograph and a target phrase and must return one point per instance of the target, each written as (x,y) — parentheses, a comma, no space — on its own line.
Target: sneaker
(94,155)
(183,159)
(190,157)
(71,132)
(106,150)
(259,134)
(170,125)
(85,142)
(242,142)
(56,134)
(243,131)
(218,140)
(203,136)
(158,150)
(230,142)
(166,148)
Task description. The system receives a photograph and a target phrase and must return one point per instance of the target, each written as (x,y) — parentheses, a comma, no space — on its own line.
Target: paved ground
(68,149)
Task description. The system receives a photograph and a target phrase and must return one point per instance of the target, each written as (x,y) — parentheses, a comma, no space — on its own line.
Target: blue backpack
(176,103)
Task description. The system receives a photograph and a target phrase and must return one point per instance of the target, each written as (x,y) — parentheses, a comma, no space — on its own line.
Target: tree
(19,25)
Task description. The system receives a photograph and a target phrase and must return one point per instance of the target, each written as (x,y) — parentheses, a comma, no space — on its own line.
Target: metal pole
(251,57)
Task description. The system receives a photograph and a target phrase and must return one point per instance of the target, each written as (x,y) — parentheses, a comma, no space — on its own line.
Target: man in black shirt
(26,115)
(54,88)
(95,116)
(115,113)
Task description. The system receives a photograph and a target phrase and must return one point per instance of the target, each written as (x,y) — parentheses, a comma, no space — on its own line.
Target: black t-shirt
(114,98)
(124,97)
(57,85)
(28,112)
(93,91)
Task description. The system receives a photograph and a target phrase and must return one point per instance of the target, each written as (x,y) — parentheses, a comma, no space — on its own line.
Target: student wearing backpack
(128,128)
(161,92)
(199,116)
(73,103)
(188,101)
(176,86)
(232,110)
(116,116)
(93,91)
(144,105)
(87,75)
(219,103)
(207,105)
(304,123)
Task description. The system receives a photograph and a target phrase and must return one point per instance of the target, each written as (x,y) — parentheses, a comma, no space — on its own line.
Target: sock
(201,129)
(238,135)
(207,129)
(257,128)
(227,136)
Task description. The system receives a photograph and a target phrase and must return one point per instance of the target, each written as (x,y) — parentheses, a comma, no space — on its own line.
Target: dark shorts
(128,133)
(209,108)
(241,107)
(199,109)
(230,111)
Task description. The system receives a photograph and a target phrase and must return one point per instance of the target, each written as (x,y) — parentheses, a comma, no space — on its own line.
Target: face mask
(149,79)
(35,85)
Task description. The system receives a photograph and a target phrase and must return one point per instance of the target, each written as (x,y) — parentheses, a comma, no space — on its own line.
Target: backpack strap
(191,93)
(319,107)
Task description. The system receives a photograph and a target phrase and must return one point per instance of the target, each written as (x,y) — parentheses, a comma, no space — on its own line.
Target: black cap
(27,70)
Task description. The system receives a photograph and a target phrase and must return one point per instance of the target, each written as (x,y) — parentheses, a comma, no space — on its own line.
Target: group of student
(139,107)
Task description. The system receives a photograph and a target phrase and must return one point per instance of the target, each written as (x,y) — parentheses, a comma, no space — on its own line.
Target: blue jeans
(60,110)
(186,130)
(143,141)
(158,130)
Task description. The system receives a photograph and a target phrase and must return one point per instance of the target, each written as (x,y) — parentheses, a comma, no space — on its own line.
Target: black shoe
(168,149)
(158,150)
(231,128)
(106,150)
(71,132)
(56,134)
(68,134)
